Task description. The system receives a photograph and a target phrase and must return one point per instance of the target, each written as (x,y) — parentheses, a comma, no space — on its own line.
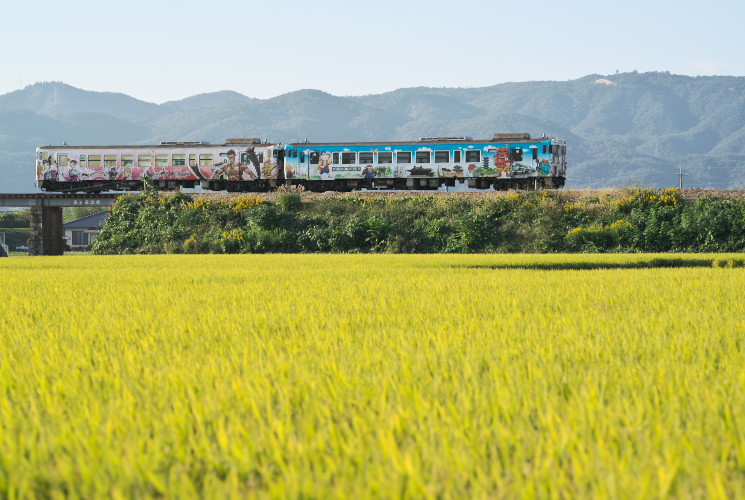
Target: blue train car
(507,161)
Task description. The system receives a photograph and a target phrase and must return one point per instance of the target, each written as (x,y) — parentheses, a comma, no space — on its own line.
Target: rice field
(368,376)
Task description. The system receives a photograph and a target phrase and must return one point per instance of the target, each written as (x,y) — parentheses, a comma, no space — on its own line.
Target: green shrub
(289,201)
(644,220)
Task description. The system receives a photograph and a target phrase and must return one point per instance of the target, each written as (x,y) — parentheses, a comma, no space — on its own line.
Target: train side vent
(457,138)
(242,141)
(512,135)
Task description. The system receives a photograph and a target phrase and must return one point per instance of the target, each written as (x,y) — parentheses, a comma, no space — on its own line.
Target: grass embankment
(633,220)
(357,376)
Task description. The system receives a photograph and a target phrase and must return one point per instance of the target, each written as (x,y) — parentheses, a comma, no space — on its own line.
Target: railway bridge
(46,216)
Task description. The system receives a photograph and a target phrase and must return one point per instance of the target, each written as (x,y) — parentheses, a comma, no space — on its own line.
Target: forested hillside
(623,129)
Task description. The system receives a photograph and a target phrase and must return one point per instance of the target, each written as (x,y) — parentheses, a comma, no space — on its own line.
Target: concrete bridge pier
(46,216)
(46,231)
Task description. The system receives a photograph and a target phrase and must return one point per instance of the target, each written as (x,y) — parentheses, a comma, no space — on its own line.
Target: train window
(205,160)
(335,158)
(442,156)
(39,156)
(63,160)
(261,157)
(314,156)
(178,160)
(545,149)
(144,161)
(192,160)
(348,158)
(403,157)
(535,152)
(456,156)
(161,160)
(366,157)
(110,161)
(517,154)
(94,161)
(424,156)
(385,157)
(82,160)
(128,161)
(302,157)
(473,156)
(563,150)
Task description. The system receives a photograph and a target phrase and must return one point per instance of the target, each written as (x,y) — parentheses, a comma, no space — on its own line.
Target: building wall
(80,238)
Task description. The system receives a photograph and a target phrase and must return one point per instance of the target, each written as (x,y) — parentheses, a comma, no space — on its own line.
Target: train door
(302,164)
(313,167)
(278,155)
(246,163)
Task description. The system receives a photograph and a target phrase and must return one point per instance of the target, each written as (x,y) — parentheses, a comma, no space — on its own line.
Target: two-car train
(507,161)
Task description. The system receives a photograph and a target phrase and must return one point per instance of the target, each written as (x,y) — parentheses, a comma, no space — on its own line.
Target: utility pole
(680,175)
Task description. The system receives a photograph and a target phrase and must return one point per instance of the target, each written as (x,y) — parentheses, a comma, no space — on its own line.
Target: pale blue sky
(158,51)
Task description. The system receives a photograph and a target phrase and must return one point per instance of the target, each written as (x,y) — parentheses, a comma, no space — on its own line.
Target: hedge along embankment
(640,220)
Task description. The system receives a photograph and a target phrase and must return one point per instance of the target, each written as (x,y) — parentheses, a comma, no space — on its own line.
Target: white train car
(235,165)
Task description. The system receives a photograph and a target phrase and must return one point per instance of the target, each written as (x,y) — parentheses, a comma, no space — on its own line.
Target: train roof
(413,143)
(171,144)
(499,137)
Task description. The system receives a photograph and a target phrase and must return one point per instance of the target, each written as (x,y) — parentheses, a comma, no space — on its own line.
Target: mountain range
(622,129)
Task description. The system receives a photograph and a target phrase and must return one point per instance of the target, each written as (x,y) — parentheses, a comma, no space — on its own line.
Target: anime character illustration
(248,173)
(324,164)
(74,172)
(289,173)
(229,169)
(472,169)
(368,173)
(503,162)
(113,172)
(251,170)
(126,173)
(63,173)
(49,169)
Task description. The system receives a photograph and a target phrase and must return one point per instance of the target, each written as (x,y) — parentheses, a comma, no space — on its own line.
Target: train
(506,161)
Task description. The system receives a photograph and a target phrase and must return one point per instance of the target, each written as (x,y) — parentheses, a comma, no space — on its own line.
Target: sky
(159,51)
